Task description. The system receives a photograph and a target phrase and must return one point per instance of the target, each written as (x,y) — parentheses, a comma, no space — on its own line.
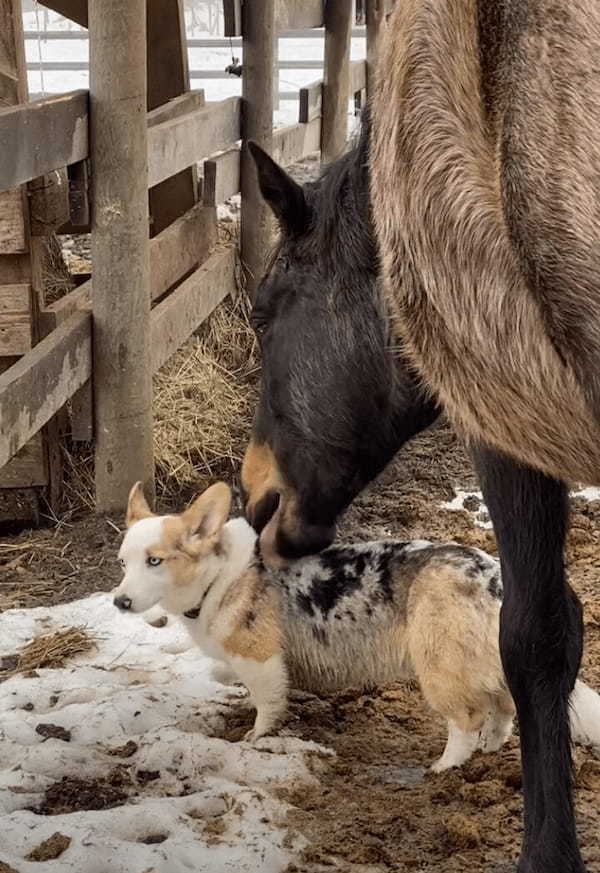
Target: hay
(51,650)
(204,401)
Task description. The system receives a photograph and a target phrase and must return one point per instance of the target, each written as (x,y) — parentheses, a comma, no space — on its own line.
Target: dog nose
(123,602)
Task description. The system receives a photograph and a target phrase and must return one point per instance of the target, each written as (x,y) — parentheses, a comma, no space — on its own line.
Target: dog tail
(585,715)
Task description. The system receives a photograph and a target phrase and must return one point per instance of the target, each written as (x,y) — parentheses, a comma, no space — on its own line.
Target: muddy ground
(376,804)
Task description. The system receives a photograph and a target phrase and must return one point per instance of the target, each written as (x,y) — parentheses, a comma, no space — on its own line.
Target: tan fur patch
(488,222)
(181,552)
(460,672)
(254,607)
(260,472)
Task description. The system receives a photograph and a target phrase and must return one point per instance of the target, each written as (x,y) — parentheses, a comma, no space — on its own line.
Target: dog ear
(137,506)
(209,512)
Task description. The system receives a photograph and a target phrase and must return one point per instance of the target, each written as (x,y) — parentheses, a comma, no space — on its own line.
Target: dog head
(170,559)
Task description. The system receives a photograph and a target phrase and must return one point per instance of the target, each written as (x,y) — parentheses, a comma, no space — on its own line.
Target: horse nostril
(122,602)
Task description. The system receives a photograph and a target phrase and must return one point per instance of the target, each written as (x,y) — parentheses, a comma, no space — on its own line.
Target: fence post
(258,28)
(336,78)
(375,19)
(168,77)
(120,251)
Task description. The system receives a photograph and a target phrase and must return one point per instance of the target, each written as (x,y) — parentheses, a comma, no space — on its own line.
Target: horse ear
(284,196)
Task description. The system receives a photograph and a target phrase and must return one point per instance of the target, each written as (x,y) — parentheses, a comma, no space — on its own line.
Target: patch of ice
(210,805)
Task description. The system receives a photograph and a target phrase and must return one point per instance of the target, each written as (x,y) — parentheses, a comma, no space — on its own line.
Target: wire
(39,42)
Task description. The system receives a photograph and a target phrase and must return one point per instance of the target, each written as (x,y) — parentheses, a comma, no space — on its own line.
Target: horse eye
(121,562)
(153,561)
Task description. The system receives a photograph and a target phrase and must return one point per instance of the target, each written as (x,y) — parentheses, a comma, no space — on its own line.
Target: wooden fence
(157,272)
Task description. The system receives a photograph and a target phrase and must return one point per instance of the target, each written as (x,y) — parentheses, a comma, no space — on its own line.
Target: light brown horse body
(485,180)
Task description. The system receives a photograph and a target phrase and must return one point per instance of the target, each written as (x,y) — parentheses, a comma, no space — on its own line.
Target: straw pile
(204,401)
(50,650)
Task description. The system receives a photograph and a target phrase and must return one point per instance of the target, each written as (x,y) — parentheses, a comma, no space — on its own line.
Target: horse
(451,261)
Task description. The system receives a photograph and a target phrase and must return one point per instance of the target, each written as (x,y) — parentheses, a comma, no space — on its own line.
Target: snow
(214,801)
(480,516)
(217,58)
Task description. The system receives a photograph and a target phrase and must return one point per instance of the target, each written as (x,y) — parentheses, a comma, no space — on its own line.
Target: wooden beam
(221,177)
(299,14)
(13,235)
(177,106)
(42,136)
(172,322)
(258,25)
(168,77)
(289,15)
(41,382)
(232,17)
(292,143)
(310,99)
(177,144)
(28,468)
(178,316)
(74,10)
(375,20)
(358,77)
(120,250)
(180,247)
(15,320)
(336,78)
(173,253)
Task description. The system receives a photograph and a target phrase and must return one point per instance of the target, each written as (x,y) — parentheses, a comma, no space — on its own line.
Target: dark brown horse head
(336,402)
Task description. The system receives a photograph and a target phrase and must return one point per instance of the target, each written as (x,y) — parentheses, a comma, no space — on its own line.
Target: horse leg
(541,637)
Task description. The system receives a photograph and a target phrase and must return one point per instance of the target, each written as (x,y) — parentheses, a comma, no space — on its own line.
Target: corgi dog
(355,615)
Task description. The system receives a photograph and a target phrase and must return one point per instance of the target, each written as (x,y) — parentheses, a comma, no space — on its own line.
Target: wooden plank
(79,196)
(358,77)
(310,100)
(173,253)
(74,10)
(28,468)
(375,19)
(42,136)
(232,17)
(13,237)
(15,335)
(41,382)
(180,247)
(289,15)
(294,142)
(82,414)
(258,25)
(181,142)
(178,316)
(120,250)
(13,75)
(177,106)
(48,202)
(15,298)
(221,177)
(336,78)
(168,78)
(299,14)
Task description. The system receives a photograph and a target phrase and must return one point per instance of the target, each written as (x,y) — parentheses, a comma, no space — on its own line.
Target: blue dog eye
(153,561)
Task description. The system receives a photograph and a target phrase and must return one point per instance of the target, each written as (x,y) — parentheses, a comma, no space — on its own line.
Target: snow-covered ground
(214,58)
(472,503)
(141,716)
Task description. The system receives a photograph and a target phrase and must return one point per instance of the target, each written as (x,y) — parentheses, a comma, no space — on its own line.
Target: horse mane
(339,204)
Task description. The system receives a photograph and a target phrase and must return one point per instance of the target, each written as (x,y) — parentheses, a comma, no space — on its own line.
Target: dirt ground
(376,804)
